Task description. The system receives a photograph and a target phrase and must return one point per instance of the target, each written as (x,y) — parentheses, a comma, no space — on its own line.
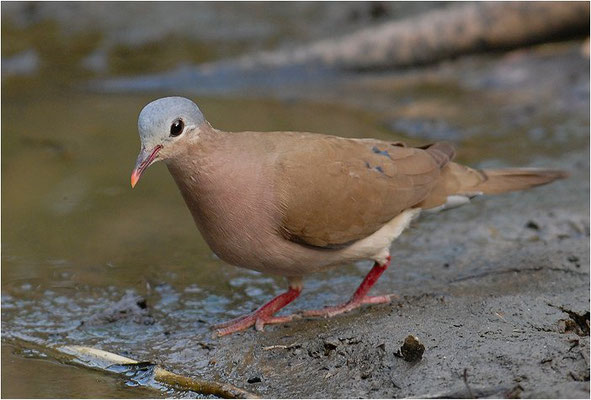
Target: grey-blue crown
(155,118)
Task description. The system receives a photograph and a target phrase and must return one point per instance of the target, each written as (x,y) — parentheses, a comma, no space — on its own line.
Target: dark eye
(177,127)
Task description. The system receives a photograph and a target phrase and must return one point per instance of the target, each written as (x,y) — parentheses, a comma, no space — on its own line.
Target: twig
(281,346)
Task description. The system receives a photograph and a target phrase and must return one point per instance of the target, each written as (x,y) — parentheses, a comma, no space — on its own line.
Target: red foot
(359,298)
(262,316)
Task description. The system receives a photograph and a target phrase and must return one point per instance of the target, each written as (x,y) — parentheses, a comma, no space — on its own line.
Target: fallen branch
(103,361)
(441,34)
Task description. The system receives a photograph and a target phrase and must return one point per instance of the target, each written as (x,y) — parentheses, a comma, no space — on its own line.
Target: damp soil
(496,293)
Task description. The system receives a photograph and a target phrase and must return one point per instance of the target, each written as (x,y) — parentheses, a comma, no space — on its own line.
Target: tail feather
(459,180)
(507,180)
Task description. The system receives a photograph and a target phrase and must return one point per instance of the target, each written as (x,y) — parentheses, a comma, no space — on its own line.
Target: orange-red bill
(144,160)
(135,176)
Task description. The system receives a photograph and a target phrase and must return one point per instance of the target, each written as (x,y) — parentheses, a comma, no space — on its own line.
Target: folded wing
(334,191)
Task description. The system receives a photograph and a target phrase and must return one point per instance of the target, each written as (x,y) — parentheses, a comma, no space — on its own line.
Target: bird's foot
(360,296)
(259,320)
(352,304)
(261,317)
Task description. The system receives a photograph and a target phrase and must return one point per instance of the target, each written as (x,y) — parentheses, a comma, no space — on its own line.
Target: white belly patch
(453,201)
(377,246)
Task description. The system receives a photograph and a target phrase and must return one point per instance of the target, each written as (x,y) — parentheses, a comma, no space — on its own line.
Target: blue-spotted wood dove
(293,203)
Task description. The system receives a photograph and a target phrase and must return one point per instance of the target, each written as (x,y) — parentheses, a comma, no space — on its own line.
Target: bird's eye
(177,127)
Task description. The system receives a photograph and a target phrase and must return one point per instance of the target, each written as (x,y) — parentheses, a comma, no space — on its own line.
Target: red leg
(263,315)
(360,296)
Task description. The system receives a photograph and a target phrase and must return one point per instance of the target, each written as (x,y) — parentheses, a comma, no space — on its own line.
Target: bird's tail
(461,181)
(495,181)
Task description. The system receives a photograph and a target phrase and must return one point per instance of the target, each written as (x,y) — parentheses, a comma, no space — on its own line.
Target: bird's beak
(144,160)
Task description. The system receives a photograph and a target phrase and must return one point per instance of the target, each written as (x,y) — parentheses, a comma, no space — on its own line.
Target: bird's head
(165,126)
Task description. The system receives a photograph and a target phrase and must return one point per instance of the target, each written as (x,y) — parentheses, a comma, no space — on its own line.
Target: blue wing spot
(381,152)
(376,168)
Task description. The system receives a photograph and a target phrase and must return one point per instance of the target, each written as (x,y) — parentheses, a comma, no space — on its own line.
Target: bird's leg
(265,314)
(360,296)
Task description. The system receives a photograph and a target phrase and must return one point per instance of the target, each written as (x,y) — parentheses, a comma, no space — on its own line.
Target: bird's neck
(194,168)
(222,183)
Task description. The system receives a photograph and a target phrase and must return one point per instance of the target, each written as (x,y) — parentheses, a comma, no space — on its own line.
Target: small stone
(514,393)
(254,379)
(412,350)
(331,344)
(567,325)
(365,374)
(532,225)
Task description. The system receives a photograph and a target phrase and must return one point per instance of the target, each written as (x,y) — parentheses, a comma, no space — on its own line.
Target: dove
(295,203)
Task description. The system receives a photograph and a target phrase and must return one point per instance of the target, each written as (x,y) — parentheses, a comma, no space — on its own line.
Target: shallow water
(58,380)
